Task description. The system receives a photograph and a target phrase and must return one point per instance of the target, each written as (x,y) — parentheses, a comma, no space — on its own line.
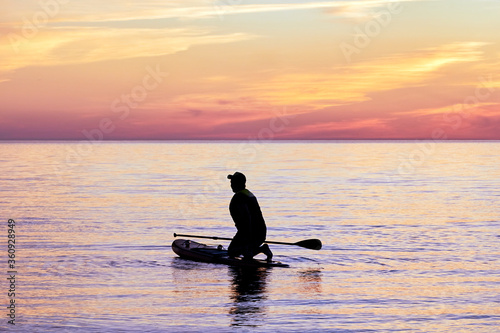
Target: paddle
(312,244)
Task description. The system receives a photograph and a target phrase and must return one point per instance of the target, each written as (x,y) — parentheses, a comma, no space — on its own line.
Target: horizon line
(254,139)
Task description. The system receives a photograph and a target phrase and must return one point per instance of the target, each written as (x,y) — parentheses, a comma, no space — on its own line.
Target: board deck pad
(188,249)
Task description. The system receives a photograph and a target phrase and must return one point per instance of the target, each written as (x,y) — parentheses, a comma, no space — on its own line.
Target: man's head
(238,181)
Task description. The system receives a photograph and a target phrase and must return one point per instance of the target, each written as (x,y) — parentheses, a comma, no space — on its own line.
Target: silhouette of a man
(249,222)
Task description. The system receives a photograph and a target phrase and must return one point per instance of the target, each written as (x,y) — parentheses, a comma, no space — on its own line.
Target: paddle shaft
(314,244)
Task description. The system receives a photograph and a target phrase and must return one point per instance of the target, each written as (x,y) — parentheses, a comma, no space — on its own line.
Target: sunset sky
(241,69)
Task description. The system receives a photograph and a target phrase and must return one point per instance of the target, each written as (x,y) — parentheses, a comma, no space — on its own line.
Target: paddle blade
(312,244)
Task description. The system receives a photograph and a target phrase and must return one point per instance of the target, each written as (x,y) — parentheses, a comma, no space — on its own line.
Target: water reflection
(310,281)
(248,292)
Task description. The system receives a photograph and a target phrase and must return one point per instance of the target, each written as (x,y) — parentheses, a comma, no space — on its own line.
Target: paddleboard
(191,250)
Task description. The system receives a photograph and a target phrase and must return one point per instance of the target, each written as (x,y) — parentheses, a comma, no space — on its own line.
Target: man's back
(247,216)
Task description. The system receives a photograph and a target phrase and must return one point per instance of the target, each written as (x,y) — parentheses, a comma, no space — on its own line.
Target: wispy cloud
(61,46)
(205,8)
(117,10)
(354,83)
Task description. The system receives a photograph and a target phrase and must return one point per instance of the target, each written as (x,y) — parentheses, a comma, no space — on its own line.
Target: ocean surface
(410,232)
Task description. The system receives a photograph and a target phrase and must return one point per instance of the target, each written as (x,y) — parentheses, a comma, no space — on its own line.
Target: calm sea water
(410,232)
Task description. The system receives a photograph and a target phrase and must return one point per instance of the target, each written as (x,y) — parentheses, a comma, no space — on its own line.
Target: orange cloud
(61,46)
(353,83)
